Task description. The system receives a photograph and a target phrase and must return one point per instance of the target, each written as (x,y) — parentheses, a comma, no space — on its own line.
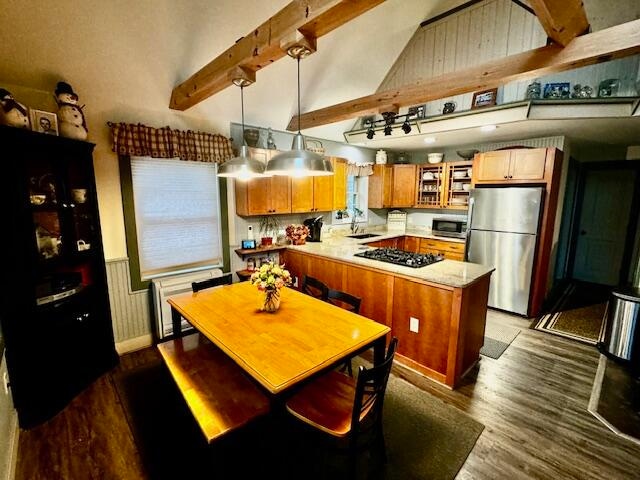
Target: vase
(271,301)
(300,241)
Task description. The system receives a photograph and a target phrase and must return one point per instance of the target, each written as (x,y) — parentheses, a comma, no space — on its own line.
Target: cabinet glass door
(80,206)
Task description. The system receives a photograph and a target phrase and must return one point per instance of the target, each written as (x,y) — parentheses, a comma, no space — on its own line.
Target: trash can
(622,330)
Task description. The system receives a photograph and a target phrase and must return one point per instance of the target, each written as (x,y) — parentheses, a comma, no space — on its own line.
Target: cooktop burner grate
(400,257)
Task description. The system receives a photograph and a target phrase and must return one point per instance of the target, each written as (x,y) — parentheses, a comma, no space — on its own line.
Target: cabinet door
(412,244)
(280,194)
(377,186)
(258,201)
(492,166)
(339,184)
(323,194)
(302,194)
(376,291)
(404,185)
(527,164)
(387,186)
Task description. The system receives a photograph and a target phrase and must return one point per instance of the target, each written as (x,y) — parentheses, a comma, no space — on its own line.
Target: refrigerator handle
(468,235)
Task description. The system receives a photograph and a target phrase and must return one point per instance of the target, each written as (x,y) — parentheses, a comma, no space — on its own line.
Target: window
(177,215)
(357,189)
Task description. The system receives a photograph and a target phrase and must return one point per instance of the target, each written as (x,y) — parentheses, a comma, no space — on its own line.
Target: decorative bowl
(37,199)
(435,157)
(467,154)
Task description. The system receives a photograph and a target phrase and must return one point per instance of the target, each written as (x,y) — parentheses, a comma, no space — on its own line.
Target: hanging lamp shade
(299,162)
(242,167)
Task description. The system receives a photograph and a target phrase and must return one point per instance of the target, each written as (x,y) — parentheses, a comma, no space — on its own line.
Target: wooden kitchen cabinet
(404,186)
(443,185)
(386,243)
(450,250)
(411,244)
(504,166)
(263,196)
(381,186)
(321,194)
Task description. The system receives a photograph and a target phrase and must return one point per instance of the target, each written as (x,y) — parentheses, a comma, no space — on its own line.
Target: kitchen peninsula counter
(438,312)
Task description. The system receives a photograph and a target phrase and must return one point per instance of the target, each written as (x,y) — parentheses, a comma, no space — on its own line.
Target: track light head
(387,130)
(406,128)
(370,133)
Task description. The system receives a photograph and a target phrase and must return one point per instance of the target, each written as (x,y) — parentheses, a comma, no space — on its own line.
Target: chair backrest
(314,287)
(225,279)
(369,397)
(344,300)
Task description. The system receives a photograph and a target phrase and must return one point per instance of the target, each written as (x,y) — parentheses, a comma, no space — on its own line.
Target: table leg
(176,320)
(378,350)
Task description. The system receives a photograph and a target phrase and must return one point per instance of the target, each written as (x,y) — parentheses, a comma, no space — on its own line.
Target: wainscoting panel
(130,311)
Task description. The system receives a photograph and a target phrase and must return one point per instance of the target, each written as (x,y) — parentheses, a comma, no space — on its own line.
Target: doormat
(578,314)
(425,437)
(497,339)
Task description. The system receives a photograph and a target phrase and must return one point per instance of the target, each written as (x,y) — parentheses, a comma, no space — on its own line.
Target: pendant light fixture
(299,162)
(242,167)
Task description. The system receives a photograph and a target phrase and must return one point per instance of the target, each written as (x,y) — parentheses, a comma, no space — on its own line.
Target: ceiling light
(299,162)
(370,133)
(429,139)
(488,128)
(242,167)
(387,130)
(406,128)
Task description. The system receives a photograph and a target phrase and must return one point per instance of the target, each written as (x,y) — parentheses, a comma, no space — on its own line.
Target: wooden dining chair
(314,287)
(347,408)
(225,279)
(348,302)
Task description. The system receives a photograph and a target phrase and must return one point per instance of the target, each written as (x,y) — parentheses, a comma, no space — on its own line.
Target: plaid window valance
(143,141)
(360,169)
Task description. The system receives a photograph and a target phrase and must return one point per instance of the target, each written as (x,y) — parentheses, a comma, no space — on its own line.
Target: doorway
(605,222)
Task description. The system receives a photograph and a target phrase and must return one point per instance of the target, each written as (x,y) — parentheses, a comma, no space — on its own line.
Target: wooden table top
(278,349)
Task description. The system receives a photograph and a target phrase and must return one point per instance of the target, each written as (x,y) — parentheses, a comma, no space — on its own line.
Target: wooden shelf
(244,275)
(243,252)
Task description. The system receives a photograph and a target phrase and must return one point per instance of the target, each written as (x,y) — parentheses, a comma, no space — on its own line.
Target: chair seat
(326,403)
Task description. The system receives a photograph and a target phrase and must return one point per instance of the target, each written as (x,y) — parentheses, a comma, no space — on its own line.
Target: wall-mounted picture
(418,111)
(486,98)
(43,122)
(557,90)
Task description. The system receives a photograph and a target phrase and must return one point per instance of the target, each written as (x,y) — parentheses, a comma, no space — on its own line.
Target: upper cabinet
(404,186)
(381,186)
(506,166)
(278,194)
(445,185)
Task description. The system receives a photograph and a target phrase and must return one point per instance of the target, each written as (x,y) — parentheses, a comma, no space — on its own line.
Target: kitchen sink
(363,235)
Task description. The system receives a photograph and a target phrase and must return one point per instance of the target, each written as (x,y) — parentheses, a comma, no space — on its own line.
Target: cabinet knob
(506,176)
(64,205)
(72,205)
(510,176)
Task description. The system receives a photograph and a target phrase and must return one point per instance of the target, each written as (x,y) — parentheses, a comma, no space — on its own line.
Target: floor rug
(425,438)
(497,339)
(578,314)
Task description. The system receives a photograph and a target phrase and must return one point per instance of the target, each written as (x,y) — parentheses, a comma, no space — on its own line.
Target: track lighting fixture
(389,119)
(370,133)
(387,129)
(406,128)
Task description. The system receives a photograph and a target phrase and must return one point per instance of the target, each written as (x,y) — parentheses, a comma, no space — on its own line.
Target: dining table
(303,338)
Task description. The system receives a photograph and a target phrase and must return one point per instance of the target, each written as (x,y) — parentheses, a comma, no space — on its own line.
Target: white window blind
(177,208)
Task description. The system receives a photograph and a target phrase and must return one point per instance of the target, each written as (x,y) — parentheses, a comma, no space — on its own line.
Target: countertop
(446,272)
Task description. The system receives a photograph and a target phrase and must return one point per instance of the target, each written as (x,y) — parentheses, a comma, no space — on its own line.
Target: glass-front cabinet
(55,308)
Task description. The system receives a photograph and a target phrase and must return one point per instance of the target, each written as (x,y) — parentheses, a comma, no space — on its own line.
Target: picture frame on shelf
(556,90)
(43,122)
(485,98)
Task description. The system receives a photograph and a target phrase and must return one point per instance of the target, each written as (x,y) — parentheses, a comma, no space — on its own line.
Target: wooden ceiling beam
(563,20)
(261,47)
(615,42)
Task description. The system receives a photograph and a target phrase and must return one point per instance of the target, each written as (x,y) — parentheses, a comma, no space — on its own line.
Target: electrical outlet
(414,324)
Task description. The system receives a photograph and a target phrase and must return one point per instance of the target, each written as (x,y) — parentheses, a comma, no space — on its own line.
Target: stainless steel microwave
(449,226)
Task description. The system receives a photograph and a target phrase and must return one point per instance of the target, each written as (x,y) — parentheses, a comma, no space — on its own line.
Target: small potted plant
(269,226)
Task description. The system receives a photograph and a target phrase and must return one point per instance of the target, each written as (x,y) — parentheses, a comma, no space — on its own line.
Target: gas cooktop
(400,257)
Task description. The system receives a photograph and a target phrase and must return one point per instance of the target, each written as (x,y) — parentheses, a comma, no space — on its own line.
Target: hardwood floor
(532,401)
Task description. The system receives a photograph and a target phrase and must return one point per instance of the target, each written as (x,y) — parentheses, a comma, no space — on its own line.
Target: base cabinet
(450,321)
(55,310)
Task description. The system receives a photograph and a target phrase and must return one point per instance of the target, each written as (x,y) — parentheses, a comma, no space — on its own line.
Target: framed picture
(251,244)
(367,121)
(43,122)
(486,98)
(418,111)
(556,90)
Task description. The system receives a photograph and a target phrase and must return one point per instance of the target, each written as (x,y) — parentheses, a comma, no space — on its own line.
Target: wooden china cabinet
(55,308)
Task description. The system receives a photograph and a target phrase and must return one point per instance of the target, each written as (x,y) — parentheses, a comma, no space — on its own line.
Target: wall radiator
(166,287)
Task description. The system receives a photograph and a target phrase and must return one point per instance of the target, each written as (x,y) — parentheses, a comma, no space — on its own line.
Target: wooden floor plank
(533,401)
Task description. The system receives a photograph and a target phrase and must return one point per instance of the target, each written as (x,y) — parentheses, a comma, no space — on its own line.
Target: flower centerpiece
(270,278)
(297,233)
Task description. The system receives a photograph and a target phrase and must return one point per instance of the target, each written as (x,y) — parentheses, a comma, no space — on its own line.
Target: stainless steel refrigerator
(503,233)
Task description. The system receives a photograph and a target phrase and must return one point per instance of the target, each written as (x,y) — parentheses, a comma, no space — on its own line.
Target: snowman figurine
(12,113)
(71,123)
